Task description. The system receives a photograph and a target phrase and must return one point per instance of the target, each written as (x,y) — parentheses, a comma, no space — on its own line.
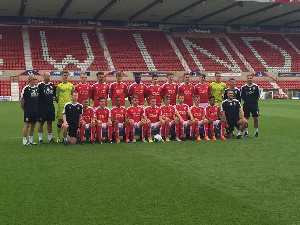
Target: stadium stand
(5,88)
(289,84)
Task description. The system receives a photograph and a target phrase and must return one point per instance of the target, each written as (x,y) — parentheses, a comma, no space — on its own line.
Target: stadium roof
(208,12)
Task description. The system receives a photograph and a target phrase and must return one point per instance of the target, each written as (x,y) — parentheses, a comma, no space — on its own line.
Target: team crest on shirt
(230,103)
(77,107)
(253,88)
(216,109)
(235,92)
(234,103)
(51,87)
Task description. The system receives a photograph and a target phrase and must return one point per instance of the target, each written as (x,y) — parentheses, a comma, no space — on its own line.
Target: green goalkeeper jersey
(63,93)
(217,90)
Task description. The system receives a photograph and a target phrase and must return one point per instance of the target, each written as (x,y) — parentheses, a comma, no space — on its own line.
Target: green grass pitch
(249,181)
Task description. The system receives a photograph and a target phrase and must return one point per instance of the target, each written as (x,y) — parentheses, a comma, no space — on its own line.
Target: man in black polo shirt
(250,94)
(236,91)
(232,110)
(46,106)
(29,104)
(72,115)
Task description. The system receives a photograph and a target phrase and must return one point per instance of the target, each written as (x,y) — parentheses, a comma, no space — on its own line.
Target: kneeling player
(183,113)
(88,121)
(134,119)
(213,114)
(168,115)
(103,120)
(231,110)
(199,117)
(118,114)
(72,115)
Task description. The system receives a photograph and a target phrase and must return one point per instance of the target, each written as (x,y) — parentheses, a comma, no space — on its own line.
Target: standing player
(103,120)
(236,91)
(199,117)
(202,90)
(118,114)
(170,88)
(154,90)
(83,88)
(29,104)
(185,117)
(100,89)
(187,90)
(46,107)
(139,89)
(217,89)
(231,110)
(88,121)
(250,94)
(72,115)
(213,115)
(118,89)
(135,119)
(168,115)
(63,96)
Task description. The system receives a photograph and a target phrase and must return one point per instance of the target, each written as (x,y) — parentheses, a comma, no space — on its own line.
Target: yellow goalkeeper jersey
(63,93)
(217,90)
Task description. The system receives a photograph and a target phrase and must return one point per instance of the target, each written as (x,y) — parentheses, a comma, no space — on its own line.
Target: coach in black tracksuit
(250,94)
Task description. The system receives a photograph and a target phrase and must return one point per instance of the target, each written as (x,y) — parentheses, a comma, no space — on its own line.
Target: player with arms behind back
(202,89)
(83,88)
(138,89)
(100,89)
(118,89)
(187,90)
(154,90)
(170,88)
(217,89)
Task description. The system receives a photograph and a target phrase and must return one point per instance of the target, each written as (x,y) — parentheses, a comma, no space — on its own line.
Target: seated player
(153,114)
(213,115)
(198,114)
(72,116)
(88,121)
(183,113)
(231,110)
(134,119)
(118,114)
(168,115)
(103,120)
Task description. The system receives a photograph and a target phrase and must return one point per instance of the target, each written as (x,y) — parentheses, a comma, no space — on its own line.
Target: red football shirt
(99,90)
(139,90)
(183,111)
(197,112)
(135,113)
(102,114)
(212,112)
(154,91)
(172,90)
(118,90)
(88,114)
(84,91)
(118,114)
(168,112)
(203,90)
(188,91)
(153,114)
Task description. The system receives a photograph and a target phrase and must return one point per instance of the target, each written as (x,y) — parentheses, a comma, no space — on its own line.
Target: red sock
(206,125)
(167,130)
(82,129)
(223,128)
(212,131)
(110,130)
(149,131)
(127,130)
(132,131)
(192,129)
(162,130)
(197,129)
(116,129)
(177,127)
(181,130)
(93,129)
(99,132)
(144,130)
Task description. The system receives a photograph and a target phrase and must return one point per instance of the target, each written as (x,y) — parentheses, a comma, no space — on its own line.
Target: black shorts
(231,125)
(251,108)
(72,130)
(30,116)
(46,113)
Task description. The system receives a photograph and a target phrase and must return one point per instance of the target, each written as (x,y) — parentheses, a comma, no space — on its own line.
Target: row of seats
(5,88)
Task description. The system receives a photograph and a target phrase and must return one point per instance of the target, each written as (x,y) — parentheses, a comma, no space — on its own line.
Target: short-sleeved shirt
(118,90)
(139,90)
(213,112)
(172,90)
(203,90)
(84,91)
(188,91)
(118,114)
(135,113)
(46,93)
(232,110)
(217,90)
(99,90)
(88,114)
(31,98)
(154,91)
(183,111)
(236,94)
(168,112)
(102,114)
(250,94)
(63,93)
(153,114)
(72,112)
(197,112)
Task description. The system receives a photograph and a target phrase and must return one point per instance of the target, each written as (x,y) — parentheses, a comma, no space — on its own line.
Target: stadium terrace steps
(27,50)
(106,52)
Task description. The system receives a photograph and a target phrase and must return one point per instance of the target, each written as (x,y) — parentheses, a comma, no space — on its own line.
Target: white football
(157,138)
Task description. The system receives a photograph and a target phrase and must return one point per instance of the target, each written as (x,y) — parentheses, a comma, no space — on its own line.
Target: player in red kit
(153,113)
(83,88)
(154,90)
(185,117)
(198,113)
(138,89)
(118,114)
(170,88)
(187,90)
(168,115)
(213,116)
(100,89)
(103,120)
(134,119)
(118,89)
(203,90)
(88,121)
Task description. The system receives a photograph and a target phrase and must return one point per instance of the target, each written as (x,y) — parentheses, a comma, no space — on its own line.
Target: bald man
(46,107)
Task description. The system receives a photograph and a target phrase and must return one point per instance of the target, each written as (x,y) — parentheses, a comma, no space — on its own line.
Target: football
(157,138)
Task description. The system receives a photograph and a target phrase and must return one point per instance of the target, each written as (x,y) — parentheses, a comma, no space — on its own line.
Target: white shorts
(185,123)
(200,123)
(104,126)
(87,126)
(121,126)
(216,123)
(154,125)
(137,125)
(204,105)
